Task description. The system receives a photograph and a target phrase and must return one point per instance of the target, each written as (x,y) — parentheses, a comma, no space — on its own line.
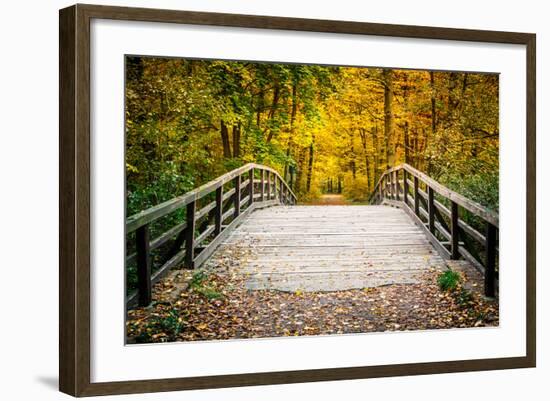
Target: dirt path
(331,199)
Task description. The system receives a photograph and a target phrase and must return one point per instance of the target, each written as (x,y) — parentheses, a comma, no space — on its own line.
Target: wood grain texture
(329,248)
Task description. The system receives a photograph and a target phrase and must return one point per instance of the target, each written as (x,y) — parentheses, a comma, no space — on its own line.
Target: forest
(324,128)
(331,133)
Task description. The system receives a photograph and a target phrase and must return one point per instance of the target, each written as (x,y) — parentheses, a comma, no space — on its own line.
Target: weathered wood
(228,194)
(244,201)
(250,186)
(190,235)
(143,265)
(268,192)
(490,259)
(185,232)
(396,180)
(432,238)
(431,210)
(237,198)
(454,231)
(219,211)
(262,183)
(329,248)
(160,240)
(213,245)
(461,200)
(229,213)
(416,197)
(153,213)
(204,235)
(205,210)
(405,187)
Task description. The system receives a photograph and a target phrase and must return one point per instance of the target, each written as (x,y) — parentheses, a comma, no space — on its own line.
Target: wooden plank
(229,213)
(396,180)
(490,259)
(416,197)
(405,188)
(237,197)
(202,237)
(431,210)
(190,235)
(250,186)
(160,240)
(244,201)
(268,194)
(219,211)
(143,265)
(445,254)
(454,231)
(155,212)
(262,188)
(228,194)
(473,207)
(205,210)
(211,247)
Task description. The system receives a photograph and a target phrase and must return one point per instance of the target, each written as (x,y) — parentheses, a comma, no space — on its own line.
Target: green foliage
(448,280)
(189,121)
(197,284)
(170,324)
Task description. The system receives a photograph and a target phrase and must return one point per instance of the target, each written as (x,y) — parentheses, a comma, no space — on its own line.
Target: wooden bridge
(413,223)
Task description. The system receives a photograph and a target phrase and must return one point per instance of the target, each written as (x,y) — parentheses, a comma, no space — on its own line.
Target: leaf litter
(218,306)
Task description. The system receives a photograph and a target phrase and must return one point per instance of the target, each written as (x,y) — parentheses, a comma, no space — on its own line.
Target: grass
(448,280)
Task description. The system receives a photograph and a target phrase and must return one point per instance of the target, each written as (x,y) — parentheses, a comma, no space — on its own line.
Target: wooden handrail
(188,246)
(153,213)
(454,238)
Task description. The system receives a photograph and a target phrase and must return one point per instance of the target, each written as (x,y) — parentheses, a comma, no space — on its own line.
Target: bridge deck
(327,248)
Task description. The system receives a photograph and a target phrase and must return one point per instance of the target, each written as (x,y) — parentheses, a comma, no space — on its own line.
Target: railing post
(490,259)
(396,179)
(268,185)
(381,189)
(237,197)
(262,177)
(431,210)
(405,188)
(250,186)
(455,254)
(190,235)
(219,211)
(280,190)
(143,265)
(416,199)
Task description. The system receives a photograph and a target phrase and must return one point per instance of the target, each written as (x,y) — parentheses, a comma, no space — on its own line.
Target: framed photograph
(249,200)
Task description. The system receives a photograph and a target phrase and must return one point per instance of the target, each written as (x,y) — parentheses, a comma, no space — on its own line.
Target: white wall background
(28,199)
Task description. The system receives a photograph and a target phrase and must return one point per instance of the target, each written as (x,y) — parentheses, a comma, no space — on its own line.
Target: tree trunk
(225,140)
(363,135)
(310,166)
(377,173)
(292,120)
(434,117)
(237,140)
(388,117)
(272,111)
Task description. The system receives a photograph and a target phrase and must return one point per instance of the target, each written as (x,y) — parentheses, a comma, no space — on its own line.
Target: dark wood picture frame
(74,203)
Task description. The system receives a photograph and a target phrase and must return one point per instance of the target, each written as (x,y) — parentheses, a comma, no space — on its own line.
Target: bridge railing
(437,209)
(192,241)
